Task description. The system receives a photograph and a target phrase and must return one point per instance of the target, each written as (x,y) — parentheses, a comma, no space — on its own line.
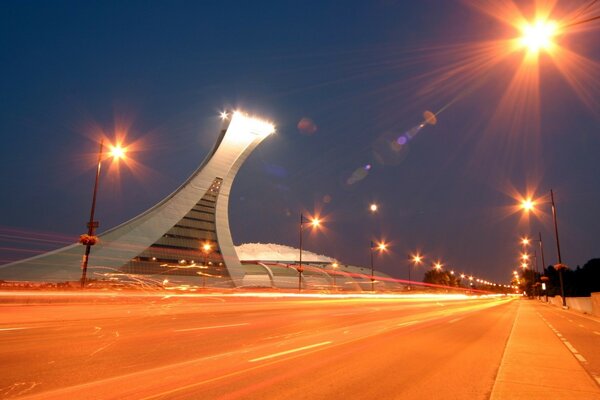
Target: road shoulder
(536,364)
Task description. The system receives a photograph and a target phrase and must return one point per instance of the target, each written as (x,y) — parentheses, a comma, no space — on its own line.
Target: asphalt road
(581,335)
(222,347)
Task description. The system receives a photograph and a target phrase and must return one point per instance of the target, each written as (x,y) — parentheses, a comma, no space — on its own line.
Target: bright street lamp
(381,246)
(335,266)
(528,205)
(206,250)
(315,223)
(417,259)
(90,238)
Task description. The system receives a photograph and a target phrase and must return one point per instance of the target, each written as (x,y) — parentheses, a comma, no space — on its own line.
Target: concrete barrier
(585,305)
(596,304)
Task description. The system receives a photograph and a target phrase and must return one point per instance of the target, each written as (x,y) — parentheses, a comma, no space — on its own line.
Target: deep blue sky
(358,69)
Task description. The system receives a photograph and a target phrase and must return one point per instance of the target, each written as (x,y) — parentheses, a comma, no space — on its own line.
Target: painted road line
(283,353)
(455,320)
(13,329)
(597,333)
(580,357)
(408,323)
(211,327)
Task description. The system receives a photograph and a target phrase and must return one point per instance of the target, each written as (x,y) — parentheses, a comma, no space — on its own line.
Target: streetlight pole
(334,266)
(206,249)
(90,239)
(416,259)
(544,278)
(409,265)
(300,269)
(372,270)
(560,265)
(314,222)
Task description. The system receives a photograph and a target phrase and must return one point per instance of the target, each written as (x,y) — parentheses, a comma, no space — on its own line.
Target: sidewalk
(537,365)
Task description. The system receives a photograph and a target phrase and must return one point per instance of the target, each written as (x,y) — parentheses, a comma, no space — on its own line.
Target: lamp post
(334,266)
(560,266)
(206,250)
(528,205)
(89,239)
(543,278)
(314,223)
(416,259)
(381,246)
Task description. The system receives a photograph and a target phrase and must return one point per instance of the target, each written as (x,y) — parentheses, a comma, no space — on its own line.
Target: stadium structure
(186,239)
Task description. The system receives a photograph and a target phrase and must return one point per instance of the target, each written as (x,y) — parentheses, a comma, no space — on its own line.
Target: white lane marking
(570,346)
(455,320)
(597,333)
(13,329)
(283,353)
(580,357)
(574,351)
(581,326)
(597,378)
(408,323)
(210,327)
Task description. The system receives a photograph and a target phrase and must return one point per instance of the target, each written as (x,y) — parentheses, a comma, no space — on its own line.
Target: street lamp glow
(417,259)
(206,247)
(382,246)
(117,152)
(224,115)
(527,204)
(437,266)
(315,222)
(525,241)
(373,207)
(538,35)
(525,256)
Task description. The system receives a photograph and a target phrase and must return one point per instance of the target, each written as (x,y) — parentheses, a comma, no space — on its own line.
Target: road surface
(223,347)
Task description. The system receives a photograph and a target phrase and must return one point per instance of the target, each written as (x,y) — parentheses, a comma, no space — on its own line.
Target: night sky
(341,81)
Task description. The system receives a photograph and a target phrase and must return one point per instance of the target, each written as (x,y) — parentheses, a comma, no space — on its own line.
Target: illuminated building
(185,239)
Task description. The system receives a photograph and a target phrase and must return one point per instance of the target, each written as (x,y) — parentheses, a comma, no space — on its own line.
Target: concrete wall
(596,304)
(586,305)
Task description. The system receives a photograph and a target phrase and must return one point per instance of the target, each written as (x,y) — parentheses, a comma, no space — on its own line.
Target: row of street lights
(529,205)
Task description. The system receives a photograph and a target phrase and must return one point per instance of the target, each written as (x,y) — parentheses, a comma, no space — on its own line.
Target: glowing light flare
(382,246)
(525,241)
(373,207)
(117,152)
(437,266)
(417,259)
(527,204)
(242,123)
(206,247)
(538,35)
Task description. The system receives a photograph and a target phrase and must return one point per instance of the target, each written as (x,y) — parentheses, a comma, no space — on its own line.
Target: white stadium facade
(186,238)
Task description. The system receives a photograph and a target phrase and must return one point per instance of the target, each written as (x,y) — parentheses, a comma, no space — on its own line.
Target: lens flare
(539,35)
